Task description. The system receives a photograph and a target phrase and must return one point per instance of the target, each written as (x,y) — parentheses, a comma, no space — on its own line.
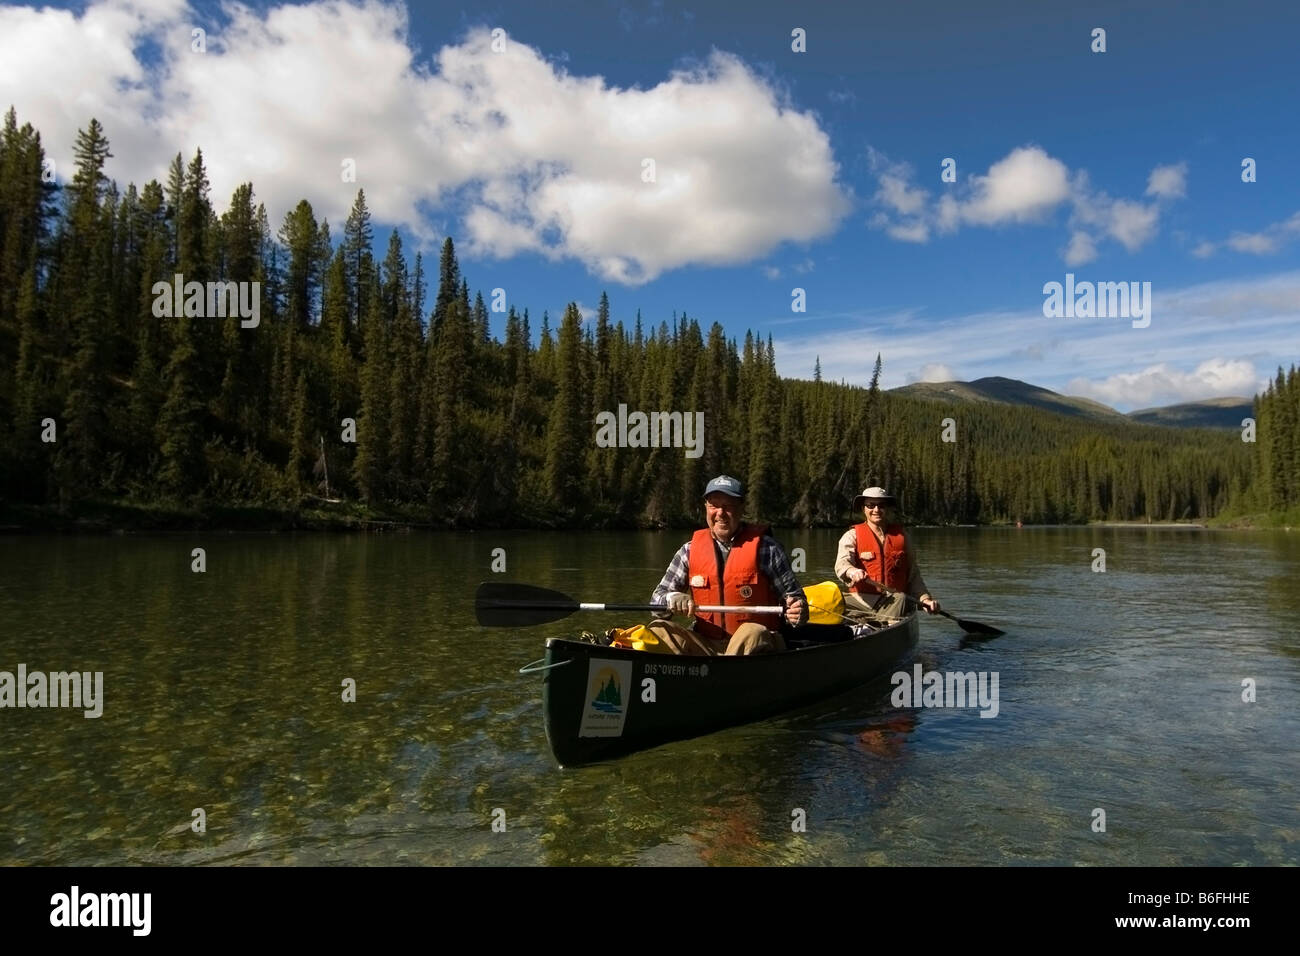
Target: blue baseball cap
(727,485)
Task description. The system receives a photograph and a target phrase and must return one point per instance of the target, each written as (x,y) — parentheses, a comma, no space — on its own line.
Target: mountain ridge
(1223,412)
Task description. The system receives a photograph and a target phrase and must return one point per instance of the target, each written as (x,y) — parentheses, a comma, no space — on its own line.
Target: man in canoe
(879,550)
(729,562)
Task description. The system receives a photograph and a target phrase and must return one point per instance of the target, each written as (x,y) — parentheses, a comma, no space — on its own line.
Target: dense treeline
(1277,450)
(453,425)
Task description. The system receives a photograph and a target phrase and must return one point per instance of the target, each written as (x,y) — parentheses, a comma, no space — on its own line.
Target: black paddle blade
(974,627)
(502,604)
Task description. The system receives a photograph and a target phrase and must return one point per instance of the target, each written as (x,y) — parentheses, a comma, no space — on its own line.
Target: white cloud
(58,70)
(1081,250)
(1265,242)
(1168,182)
(899,196)
(530,157)
(1025,186)
(1163,384)
(933,372)
(771,272)
(1131,223)
(914,231)
(1256,243)
(948,214)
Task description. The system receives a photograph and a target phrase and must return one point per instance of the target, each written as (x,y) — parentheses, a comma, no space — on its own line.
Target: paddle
(502,604)
(970,627)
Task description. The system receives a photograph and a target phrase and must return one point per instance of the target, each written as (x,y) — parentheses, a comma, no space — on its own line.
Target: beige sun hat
(874,493)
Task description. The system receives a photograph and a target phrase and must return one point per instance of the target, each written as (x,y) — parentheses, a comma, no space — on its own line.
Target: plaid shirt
(771,561)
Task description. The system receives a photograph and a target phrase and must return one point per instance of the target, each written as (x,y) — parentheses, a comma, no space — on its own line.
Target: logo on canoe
(605,707)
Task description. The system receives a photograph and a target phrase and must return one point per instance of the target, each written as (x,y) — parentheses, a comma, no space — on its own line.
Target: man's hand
(929,603)
(794,609)
(680,603)
(854,575)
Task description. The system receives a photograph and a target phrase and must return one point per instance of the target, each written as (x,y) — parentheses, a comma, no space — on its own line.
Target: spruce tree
(85,284)
(308,248)
(448,282)
(565,434)
(358,258)
(372,420)
(300,447)
(446,466)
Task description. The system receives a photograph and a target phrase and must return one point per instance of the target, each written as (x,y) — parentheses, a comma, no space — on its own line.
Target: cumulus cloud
(1081,250)
(1098,215)
(899,196)
(1026,186)
(1023,187)
(1168,182)
(1132,224)
(529,157)
(1163,384)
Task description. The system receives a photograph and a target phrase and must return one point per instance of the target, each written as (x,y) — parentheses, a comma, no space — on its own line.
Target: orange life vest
(890,568)
(738,581)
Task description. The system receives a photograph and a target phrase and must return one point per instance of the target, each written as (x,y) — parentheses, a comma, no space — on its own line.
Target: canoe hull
(596,699)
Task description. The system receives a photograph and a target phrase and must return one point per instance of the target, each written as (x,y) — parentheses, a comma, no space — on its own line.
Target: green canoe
(603,702)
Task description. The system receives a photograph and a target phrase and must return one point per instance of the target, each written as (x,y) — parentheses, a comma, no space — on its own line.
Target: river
(223,692)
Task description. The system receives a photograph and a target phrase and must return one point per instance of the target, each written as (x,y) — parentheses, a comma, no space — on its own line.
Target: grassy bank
(1286,520)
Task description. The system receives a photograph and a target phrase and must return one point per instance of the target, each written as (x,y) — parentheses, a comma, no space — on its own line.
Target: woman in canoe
(878,551)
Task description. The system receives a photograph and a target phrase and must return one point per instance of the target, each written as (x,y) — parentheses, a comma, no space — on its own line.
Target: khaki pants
(883,607)
(749,638)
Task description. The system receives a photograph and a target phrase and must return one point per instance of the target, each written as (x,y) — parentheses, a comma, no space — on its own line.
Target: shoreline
(121,519)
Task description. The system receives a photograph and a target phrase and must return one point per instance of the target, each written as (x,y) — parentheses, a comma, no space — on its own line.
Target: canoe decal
(605,707)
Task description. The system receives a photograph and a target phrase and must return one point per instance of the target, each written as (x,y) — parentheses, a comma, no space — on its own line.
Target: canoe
(604,702)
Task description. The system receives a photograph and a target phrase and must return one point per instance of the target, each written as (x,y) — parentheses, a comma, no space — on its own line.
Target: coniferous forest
(376,389)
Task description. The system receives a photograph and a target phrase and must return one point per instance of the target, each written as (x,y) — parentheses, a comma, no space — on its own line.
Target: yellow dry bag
(638,638)
(825,603)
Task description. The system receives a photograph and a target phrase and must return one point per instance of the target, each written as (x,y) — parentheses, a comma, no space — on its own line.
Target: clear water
(1119,691)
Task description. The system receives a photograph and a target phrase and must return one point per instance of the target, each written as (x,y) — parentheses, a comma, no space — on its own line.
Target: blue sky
(774,169)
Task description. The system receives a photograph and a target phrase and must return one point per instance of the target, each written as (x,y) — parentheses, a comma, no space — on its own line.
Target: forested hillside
(104,400)
(1276,488)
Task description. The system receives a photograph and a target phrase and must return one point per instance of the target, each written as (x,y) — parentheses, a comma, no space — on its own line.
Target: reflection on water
(224,691)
